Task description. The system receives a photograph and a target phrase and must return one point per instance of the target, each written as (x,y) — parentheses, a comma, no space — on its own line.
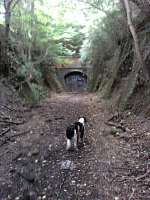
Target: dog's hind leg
(68,144)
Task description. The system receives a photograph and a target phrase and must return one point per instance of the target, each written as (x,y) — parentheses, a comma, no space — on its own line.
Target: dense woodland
(113,38)
(35,40)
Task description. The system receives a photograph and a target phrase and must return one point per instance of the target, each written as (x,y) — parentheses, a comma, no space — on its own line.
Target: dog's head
(83,120)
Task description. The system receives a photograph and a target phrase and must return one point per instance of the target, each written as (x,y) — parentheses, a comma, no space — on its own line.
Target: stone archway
(75,81)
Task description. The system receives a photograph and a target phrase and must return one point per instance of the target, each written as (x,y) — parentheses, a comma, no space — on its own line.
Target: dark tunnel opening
(76,81)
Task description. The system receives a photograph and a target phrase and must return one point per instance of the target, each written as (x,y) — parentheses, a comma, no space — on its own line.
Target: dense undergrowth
(37,40)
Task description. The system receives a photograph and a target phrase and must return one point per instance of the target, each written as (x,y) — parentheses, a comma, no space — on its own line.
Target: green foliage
(32,92)
(63,61)
(103,38)
(37,27)
(105,34)
(41,35)
(27,70)
(38,92)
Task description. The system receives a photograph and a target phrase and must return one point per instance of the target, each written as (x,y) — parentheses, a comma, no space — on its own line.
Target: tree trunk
(135,38)
(130,86)
(7,5)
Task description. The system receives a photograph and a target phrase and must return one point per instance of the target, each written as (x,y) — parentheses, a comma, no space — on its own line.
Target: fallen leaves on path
(35,165)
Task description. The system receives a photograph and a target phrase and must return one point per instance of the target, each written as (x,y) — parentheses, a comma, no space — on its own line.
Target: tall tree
(9,5)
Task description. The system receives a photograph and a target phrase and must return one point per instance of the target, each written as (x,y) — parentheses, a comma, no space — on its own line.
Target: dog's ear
(85,119)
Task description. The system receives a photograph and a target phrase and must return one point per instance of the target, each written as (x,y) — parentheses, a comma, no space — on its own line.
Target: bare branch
(41,58)
(15,3)
(93,5)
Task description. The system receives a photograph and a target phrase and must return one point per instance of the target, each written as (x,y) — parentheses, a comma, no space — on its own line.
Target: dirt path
(36,166)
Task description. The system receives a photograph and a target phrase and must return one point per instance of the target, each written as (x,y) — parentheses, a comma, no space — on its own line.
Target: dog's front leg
(76,140)
(68,144)
(82,136)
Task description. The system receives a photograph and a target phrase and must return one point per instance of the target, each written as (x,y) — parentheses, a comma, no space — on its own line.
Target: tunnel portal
(76,81)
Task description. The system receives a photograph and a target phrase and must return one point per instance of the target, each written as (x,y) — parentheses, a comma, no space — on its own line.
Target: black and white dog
(75,132)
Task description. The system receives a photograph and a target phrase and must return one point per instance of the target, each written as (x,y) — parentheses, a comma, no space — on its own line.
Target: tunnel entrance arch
(76,81)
